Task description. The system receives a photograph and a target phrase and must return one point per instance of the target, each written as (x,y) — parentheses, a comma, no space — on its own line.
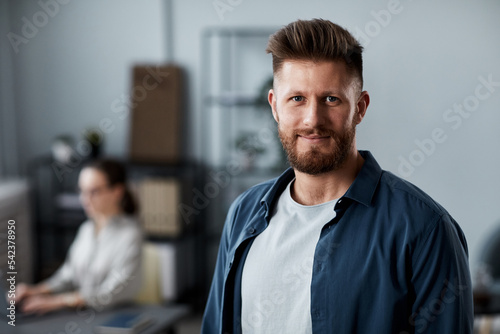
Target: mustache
(315,132)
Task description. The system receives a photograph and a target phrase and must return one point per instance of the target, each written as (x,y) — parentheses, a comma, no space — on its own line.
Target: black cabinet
(58,215)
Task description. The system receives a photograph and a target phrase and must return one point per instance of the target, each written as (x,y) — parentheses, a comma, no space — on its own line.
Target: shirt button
(316,313)
(251,230)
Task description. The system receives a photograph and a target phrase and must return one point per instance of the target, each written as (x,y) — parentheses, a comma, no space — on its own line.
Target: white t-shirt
(277,273)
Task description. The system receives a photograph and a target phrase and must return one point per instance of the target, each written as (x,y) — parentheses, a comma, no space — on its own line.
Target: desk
(84,321)
(487,305)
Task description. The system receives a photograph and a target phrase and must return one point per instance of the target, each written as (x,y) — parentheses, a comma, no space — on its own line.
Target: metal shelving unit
(240,138)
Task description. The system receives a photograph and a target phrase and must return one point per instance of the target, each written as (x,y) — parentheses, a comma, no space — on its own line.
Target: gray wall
(419,64)
(76,64)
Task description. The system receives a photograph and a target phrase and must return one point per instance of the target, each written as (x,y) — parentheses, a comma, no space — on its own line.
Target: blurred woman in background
(102,267)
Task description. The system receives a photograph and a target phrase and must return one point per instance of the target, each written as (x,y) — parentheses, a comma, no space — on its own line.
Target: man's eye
(331,99)
(297,98)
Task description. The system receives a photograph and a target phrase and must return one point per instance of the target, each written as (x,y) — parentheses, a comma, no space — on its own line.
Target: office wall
(427,120)
(8,138)
(72,61)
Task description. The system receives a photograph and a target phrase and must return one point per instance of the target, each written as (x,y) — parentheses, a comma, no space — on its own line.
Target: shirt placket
(325,249)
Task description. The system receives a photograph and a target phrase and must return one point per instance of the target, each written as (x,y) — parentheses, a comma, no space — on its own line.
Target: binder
(159,200)
(124,323)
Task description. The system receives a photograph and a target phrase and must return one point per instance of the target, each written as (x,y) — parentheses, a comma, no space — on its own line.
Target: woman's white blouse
(105,269)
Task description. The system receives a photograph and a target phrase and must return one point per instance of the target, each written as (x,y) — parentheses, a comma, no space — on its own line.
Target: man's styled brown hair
(316,40)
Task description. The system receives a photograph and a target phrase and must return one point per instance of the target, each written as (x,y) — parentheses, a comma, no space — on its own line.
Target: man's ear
(361,106)
(271,97)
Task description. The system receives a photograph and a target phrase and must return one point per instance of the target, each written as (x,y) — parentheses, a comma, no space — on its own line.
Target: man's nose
(314,115)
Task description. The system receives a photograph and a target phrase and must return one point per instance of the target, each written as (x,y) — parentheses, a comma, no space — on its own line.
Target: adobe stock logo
(453,117)
(427,314)
(223,6)
(30,28)
(382,18)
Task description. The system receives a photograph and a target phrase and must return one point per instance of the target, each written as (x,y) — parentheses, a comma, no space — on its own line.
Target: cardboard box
(157,93)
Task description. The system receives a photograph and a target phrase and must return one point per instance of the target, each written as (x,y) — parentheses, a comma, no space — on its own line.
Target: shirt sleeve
(441,281)
(62,279)
(123,279)
(212,319)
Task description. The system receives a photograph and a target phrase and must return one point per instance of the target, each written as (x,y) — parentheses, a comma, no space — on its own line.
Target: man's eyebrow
(291,92)
(296,92)
(330,92)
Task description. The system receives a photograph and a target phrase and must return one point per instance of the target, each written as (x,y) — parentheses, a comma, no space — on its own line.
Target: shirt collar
(361,190)
(276,189)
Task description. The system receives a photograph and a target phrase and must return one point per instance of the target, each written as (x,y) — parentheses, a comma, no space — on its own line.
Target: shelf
(232,100)
(239,133)
(59,214)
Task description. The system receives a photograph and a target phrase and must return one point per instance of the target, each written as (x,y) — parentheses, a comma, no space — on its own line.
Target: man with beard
(335,244)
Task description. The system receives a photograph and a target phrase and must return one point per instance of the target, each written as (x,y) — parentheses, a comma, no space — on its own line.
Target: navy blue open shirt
(391,261)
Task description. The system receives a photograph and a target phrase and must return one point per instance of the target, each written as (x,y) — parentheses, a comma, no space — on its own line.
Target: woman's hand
(41,304)
(22,291)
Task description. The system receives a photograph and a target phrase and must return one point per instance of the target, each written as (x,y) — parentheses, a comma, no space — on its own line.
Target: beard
(315,161)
